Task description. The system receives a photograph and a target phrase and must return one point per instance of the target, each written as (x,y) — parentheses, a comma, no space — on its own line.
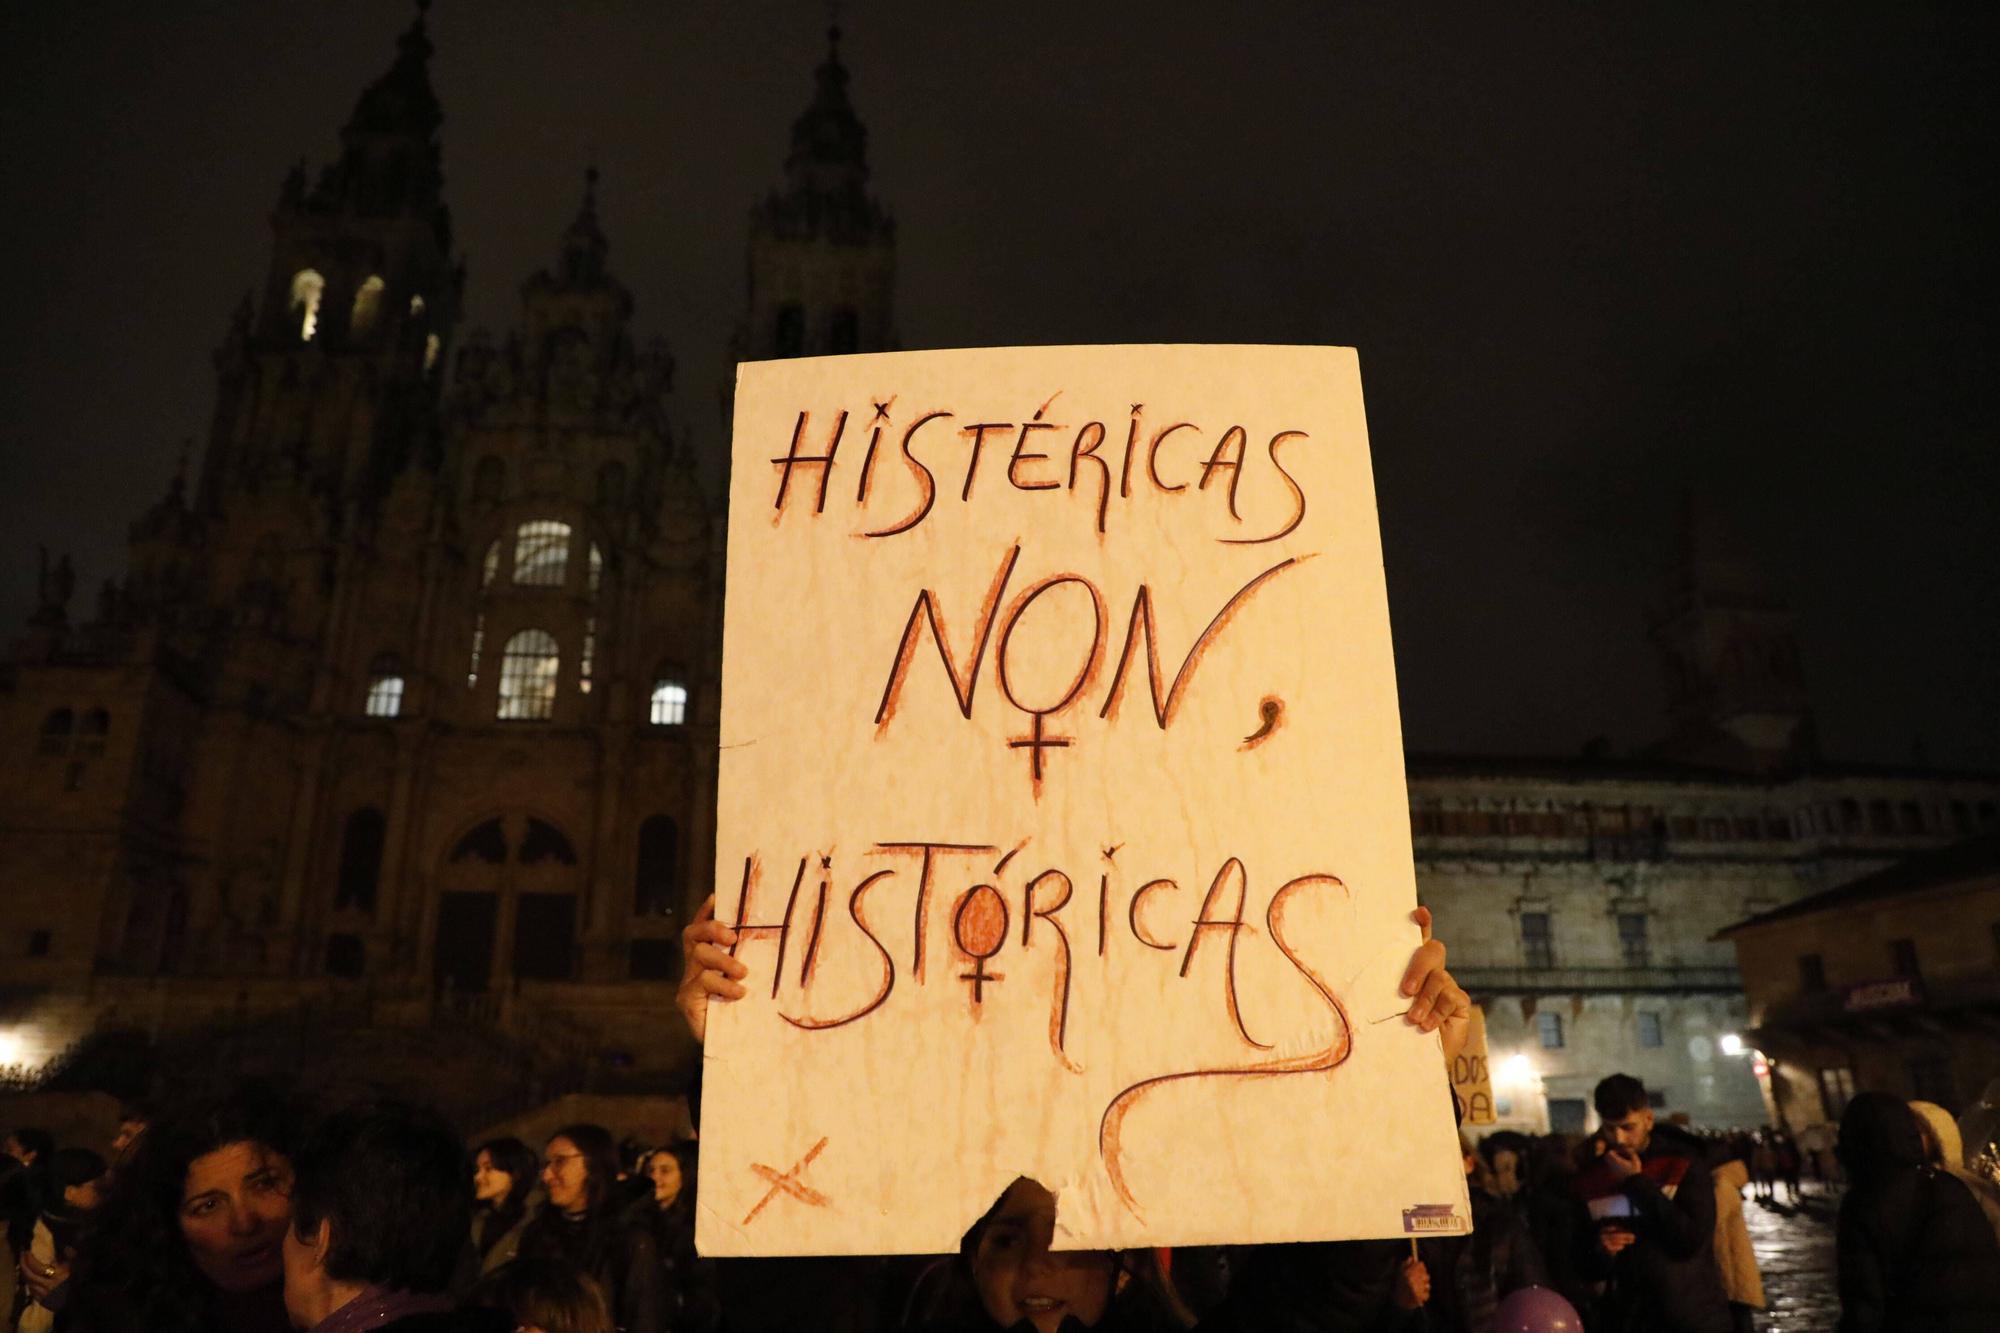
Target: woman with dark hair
(582,1224)
(1007,1277)
(190,1237)
(1915,1251)
(503,1176)
(687,1281)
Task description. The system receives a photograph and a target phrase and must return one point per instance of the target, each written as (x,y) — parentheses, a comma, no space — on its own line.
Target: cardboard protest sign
(1062,810)
(1472,1075)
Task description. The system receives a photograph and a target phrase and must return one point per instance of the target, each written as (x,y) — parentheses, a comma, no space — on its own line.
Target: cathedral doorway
(507,907)
(466,927)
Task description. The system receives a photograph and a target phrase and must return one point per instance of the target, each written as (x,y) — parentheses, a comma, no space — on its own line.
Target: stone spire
(829,156)
(584,246)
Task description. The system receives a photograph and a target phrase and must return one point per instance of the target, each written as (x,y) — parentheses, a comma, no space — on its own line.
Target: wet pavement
(1794,1245)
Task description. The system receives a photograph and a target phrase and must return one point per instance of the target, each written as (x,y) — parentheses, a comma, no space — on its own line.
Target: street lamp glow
(1517,1068)
(12,1048)
(1732,1044)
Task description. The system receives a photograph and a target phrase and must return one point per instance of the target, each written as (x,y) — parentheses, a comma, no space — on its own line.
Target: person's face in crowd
(489,1183)
(1633,1131)
(665,1170)
(128,1134)
(13,1149)
(1019,1278)
(565,1179)
(85,1196)
(236,1205)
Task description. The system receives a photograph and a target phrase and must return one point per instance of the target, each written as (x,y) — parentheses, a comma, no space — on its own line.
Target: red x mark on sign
(788,1182)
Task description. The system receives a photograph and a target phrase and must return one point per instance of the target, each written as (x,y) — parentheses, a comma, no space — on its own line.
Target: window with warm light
(307,288)
(385,695)
(528,667)
(367,310)
(541,553)
(669,702)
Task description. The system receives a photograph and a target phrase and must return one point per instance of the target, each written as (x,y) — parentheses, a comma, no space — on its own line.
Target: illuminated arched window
(588,655)
(416,307)
(478,642)
(528,667)
(56,729)
(360,861)
(596,568)
(541,553)
(669,704)
(656,874)
(367,309)
(307,287)
(489,568)
(385,687)
(432,346)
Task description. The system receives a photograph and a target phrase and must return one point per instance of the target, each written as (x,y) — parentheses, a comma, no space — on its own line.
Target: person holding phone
(1651,1206)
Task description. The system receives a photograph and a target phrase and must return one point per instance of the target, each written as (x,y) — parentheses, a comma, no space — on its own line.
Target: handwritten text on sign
(1062,811)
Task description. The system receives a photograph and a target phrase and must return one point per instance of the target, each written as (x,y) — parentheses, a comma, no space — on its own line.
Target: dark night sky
(1590,259)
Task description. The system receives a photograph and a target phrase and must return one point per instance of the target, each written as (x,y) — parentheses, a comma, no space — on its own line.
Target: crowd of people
(246,1214)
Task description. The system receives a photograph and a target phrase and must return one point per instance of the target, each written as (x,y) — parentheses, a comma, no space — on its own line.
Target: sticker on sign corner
(1431,1219)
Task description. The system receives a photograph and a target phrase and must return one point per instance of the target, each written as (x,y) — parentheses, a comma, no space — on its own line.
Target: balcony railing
(1543,980)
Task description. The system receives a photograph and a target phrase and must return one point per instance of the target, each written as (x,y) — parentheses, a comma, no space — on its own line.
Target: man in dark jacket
(1651,1208)
(381,1207)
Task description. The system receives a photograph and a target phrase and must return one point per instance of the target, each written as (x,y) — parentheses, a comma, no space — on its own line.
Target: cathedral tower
(822,250)
(1736,694)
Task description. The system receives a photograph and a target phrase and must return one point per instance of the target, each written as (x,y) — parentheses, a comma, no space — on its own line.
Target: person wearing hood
(1651,1204)
(1944,1148)
(1914,1249)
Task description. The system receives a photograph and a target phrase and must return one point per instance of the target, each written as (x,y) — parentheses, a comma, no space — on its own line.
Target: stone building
(414,687)
(1582,897)
(1889,983)
(409,696)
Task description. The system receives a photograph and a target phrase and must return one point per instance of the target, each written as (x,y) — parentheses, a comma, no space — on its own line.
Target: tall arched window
(56,729)
(360,861)
(478,642)
(489,568)
(385,686)
(669,703)
(432,346)
(91,731)
(489,481)
(656,871)
(541,553)
(367,309)
(416,307)
(307,287)
(588,657)
(596,579)
(528,667)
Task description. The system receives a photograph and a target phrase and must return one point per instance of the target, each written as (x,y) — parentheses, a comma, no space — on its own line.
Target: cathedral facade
(414,686)
(410,692)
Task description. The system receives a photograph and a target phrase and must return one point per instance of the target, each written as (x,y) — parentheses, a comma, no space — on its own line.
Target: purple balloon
(1536,1310)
